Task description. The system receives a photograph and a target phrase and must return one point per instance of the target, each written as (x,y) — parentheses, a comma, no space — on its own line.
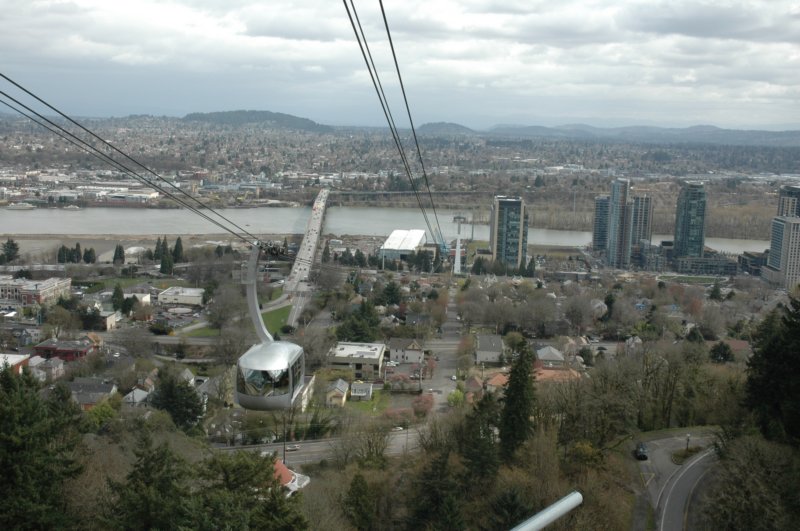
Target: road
(679,491)
(670,486)
(400,442)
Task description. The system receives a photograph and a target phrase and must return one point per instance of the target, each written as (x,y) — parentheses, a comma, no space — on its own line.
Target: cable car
(271,374)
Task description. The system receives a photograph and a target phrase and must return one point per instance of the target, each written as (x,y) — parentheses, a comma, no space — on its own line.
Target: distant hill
(444,128)
(276,120)
(699,134)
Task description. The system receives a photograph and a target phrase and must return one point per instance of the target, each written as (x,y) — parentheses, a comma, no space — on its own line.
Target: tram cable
(355,22)
(128,157)
(411,120)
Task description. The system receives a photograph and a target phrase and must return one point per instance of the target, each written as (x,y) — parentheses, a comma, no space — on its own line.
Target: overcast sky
(474,62)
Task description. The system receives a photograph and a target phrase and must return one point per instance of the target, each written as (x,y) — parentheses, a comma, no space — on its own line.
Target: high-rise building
(620,217)
(642,220)
(509,231)
(690,220)
(783,264)
(789,201)
(600,232)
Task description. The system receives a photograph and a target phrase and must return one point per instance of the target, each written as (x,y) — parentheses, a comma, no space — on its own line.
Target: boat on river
(20,206)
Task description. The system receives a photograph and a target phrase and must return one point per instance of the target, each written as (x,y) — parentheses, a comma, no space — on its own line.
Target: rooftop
(358,350)
(404,240)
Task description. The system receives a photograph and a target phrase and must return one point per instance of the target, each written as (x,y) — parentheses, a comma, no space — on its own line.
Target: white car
(392,364)
(453,378)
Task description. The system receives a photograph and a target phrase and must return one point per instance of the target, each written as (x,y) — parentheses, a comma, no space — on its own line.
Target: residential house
(290,480)
(88,392)
(550,358)
(497,383)
(489,348)
(336,394)
(405,350)
(15,362)
(361,391)
(136,398)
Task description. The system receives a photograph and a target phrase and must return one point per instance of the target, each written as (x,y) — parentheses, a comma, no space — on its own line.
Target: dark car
(640,452)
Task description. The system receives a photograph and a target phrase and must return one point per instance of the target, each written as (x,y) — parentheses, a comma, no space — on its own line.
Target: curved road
(674,501)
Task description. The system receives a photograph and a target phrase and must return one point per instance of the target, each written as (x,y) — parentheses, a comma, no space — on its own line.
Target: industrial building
(401,243)
(180,295)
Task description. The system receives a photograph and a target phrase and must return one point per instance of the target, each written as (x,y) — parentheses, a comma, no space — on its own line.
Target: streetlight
(688,438)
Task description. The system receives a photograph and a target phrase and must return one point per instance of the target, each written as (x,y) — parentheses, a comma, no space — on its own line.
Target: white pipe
(552,513)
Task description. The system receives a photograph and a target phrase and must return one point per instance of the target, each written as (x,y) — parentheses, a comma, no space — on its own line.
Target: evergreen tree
(240,491)
(326,253)
(435,504)
(166,263)
(530,270)
(165,248)
(39,442)
(155,494)
(117,297)
(478,445)
(516,425)
(89,255)
(177,251)
(10,250)
(119,254)
(179,399)
(78,254)
(391,293)
(359,504)
(773,373)
(157,250)
(63,254)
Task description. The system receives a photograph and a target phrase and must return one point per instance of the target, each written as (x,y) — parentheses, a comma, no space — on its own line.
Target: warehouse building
(401,243)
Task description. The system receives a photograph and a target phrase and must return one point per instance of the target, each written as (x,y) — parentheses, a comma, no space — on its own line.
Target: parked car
(392,364)
(454,378)
(640,452)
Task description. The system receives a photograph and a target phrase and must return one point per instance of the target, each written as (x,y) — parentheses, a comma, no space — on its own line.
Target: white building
(179,295)
(783,265)
(364,359)
(402,243)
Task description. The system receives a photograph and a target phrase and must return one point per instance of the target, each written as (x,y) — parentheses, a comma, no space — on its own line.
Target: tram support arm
(249,280)
(552,513)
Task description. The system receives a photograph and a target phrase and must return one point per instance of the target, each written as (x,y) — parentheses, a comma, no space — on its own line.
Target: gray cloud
(472,61)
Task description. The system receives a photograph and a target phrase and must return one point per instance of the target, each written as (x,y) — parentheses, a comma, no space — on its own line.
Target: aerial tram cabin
(271,374)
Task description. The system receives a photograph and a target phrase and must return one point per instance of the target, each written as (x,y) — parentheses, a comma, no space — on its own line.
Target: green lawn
(202,332)
(376,406)
(275,319)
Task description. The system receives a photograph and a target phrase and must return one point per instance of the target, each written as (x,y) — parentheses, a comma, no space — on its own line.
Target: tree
(326,253)
(435,503)
(89,255)
(478,445)
(179,399)
(358,504)
(716,292)
(721,352)
(78,253)
(157,250)
(39,444)
(772,392)
(11,250)
(391,293)
(119,254)
(117,297)
(516,424)
(60,320)
(177,251)
(166,263)
(240,491)
(156,492)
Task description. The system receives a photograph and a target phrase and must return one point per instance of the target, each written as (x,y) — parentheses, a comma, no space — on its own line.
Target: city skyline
(476,63)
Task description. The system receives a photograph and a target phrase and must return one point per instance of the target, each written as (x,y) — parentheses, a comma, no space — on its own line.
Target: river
(367,221)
